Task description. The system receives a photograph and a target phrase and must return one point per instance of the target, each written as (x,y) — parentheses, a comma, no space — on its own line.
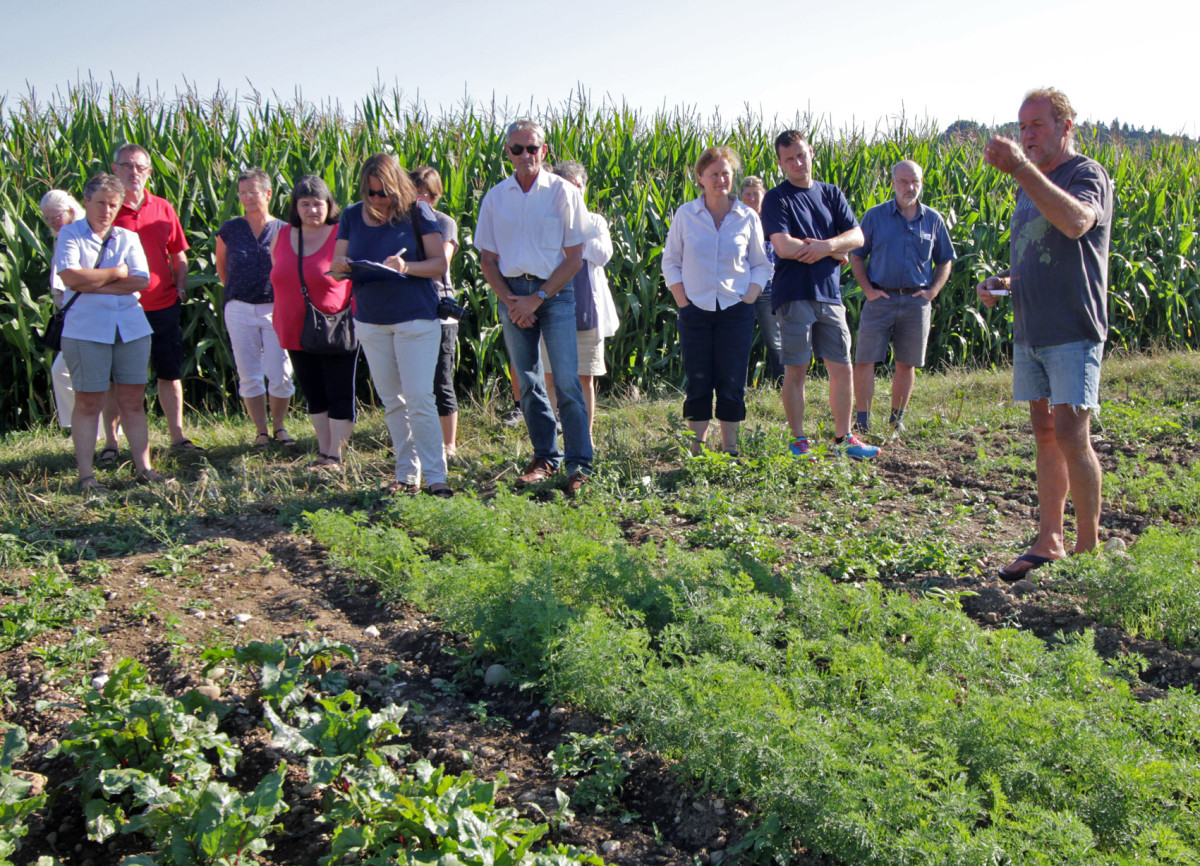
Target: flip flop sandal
(186,446)
(282,438)
(1035,562)
(108,455)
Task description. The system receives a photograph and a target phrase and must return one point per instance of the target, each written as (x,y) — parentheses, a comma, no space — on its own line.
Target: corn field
(640,172)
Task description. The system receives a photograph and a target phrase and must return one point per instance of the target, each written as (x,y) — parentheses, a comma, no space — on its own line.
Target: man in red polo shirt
(158,228)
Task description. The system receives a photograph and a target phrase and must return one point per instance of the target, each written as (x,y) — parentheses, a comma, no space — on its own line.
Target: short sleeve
(177,242)
(774,221)
(447,227)
(66,252)
(485,235)
(135,256)
(344,223)
(868,228)
(843,217)
(1090,186)
(943,247)
(429,223)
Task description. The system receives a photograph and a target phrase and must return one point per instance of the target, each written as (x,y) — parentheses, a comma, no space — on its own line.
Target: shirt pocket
(924,246)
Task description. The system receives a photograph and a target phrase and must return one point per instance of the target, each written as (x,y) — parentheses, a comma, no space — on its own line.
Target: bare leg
(84,418)
(450,432)
(279,411)
(729,436)
(700,428)
(112,418)
(132,401)
(1052,484)
(841,396)
(864,386)
(902,385)
(1072,430)
(793,397)
(320,422)
(339,435)
(588,384)
(170,400)
(256,408)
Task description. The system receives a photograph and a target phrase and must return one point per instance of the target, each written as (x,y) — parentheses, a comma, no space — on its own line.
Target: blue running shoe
(855,449)
(799,448)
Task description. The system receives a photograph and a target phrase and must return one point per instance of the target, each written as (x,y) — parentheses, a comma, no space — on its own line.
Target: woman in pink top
(326,380)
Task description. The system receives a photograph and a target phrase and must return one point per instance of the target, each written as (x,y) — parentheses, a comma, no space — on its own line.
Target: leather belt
(902,291)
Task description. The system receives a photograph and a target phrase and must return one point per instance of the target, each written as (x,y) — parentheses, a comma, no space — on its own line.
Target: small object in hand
(998,293)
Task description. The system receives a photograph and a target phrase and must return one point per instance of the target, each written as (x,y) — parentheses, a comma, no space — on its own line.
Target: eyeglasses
(518,149)
(377,193)
(136,167)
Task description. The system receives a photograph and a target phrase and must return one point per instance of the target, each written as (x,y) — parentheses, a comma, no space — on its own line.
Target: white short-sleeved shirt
(94,317)
(528,230)
(716,266)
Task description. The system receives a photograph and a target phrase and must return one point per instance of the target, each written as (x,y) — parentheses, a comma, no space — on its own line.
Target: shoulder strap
(99,258)
(414,217)
(300,260)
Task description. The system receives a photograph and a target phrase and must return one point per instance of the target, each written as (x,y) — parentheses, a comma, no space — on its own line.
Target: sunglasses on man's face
(518,149)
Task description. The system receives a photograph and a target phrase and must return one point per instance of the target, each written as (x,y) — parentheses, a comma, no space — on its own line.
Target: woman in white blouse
(715,265)
(106,337)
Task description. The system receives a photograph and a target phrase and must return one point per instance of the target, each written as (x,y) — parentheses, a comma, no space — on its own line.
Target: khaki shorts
(94,366)
(808,328)
(591,353)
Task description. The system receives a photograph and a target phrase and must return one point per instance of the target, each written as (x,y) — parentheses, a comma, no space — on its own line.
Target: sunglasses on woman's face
(518,149)
(377,193)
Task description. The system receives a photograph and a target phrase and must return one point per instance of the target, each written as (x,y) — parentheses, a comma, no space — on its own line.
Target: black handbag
(51,336)
(323,333)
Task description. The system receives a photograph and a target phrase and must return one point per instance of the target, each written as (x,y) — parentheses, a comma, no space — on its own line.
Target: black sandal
(285,440)
(108,455)
(261,441)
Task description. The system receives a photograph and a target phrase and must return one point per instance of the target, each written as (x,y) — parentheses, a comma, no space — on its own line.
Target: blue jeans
(556,325)
(716,354)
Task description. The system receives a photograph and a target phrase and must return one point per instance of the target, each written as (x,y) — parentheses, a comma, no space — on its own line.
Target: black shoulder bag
(51,337)
(323,333)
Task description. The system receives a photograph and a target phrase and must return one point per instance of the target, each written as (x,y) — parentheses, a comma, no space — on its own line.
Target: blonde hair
(386,169)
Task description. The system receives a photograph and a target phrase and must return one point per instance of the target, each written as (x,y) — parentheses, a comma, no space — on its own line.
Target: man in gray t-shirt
(1058,280)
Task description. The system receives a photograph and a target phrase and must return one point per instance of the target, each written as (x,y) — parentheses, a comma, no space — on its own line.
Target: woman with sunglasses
(395,313)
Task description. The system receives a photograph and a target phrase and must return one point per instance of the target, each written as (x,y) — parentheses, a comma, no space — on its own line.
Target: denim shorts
(1065,374)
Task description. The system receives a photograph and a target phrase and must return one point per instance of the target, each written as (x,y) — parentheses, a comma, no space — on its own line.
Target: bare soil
(284,586)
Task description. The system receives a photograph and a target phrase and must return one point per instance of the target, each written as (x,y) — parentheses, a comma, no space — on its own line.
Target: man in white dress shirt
(530,238)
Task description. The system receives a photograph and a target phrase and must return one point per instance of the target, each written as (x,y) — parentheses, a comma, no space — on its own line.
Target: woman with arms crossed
(106,338)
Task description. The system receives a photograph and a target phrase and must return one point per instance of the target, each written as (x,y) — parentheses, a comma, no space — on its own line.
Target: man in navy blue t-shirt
(812,229)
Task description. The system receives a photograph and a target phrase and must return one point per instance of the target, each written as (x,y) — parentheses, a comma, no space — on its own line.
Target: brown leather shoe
(575,482)
(537,470)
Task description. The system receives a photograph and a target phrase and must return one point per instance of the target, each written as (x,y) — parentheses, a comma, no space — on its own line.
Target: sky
(853,66)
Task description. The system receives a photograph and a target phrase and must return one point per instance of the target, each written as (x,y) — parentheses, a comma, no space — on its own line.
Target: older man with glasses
(530,238)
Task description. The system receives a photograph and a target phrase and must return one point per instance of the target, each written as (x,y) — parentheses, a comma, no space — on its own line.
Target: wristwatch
(541,294)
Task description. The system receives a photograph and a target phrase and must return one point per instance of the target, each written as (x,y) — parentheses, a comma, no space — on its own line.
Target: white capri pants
(256,351)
